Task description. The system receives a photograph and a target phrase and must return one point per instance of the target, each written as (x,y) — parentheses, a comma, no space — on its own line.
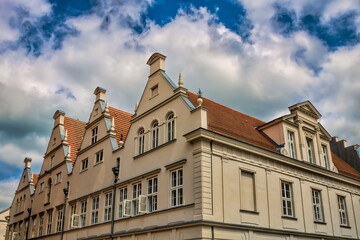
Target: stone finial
(100,93)
(199,100)
(69,152)
(181,82)
(59,117)
(107,106)
(112,124)
(156,62)
(27,162)
(66,136)
(121,142)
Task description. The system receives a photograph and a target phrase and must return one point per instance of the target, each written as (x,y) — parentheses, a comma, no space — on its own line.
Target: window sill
(153,149)
(345,226)
(318,222)
(45,204)
(289,218)
(84,170)
(98,163)
(19,213)
(249,211)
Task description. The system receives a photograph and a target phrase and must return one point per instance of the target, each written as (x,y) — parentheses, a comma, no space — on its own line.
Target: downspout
(116,175)
(66,191)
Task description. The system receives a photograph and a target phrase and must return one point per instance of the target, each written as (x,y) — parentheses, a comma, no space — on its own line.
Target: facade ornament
(181,82)
(66,136)
(199,100)
(107,106)
(121,142)
(112,124)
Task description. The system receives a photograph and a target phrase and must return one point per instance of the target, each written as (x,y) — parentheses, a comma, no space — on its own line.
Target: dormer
(299,135)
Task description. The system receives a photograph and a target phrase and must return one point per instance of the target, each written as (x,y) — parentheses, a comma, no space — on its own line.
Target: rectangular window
(58,178)
(247,186)
(33,227)
(135,198)
(176,190)
(99,157)
(59,220)
(52,161)
(83,214)
(95,210)
(49,222)
(72,212)
(342,211)
(317,206)
(107,207)
(42,187)
(287,199)
(291,142)
(152,194)
(325,156)
(41,225)
(94,132)
(310,150)
(84,164)
(122,197)
(154,91)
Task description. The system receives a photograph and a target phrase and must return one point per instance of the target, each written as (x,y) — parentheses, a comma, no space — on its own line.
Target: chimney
(156,62)
(100,93)
(58,117)
(27,162)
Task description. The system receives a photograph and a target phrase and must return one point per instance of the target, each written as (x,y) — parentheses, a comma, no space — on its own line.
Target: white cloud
(7,189)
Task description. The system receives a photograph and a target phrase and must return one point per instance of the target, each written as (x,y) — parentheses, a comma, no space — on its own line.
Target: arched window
(48,193)
(170,127)
(155,134)
(141,141)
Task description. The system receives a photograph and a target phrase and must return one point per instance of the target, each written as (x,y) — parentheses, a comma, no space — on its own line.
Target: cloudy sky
(258,57)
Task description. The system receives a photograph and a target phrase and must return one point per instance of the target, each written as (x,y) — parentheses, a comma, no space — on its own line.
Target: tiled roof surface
(35,178)
(230,122)
(76,130)
(344,168)
(122,122)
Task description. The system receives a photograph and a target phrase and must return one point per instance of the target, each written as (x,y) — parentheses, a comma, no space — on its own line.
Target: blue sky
(258,57)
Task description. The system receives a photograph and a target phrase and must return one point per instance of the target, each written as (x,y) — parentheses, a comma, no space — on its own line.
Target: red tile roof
(344,168)
(122,122)
(75,132)
(235,124)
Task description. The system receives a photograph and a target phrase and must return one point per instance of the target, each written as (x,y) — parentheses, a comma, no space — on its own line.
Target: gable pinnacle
(66,136)
(181,82)
(199,100)
(112,124)
(107,106)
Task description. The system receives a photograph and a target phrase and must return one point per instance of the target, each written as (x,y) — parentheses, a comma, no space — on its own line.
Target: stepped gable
(344,168)
(76,130)
(122,122)
(230,122)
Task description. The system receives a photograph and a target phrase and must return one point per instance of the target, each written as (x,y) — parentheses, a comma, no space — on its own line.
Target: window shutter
(127,208)
(75,221)
(142,203)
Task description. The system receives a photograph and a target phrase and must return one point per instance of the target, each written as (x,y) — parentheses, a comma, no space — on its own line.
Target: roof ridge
(120,110)
(229,108)
(77,120)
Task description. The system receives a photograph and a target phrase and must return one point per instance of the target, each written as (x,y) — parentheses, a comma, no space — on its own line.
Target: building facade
(185,167)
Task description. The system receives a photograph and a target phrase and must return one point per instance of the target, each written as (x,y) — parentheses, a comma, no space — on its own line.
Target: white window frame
(152,191)
(99,157)
(141,141)
(317,205)
(343,216)
(49,222)
(310,150)
(41,225)
(108,206)
(84,164)
(82,215)
(52,161)
(325,156)
(287,203)
(33,227)
(136,192)
(155,135)
(95,210)
(94,134)
(72,212)
(123,195)
(170,127)
(176,188)
(59,222)
(292,144)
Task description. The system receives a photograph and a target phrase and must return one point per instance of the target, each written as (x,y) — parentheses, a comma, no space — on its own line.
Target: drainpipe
(115,171)
(66,191)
